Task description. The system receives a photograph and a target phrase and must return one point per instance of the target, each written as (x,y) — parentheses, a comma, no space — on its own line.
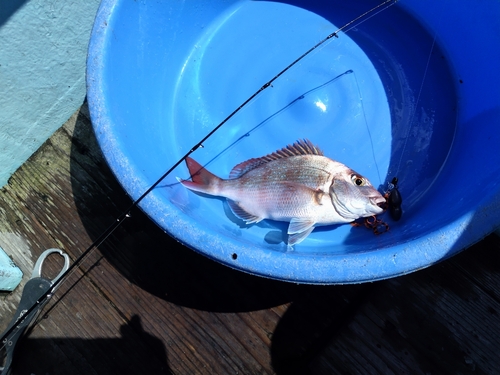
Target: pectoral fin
(299,229)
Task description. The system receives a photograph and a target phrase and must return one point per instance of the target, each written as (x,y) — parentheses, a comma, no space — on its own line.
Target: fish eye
(357,180)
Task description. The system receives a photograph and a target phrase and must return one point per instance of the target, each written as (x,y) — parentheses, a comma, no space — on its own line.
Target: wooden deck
(143,304)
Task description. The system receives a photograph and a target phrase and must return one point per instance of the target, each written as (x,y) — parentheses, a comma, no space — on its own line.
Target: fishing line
(126,214)
(416,104)
(367,128)
(392,195)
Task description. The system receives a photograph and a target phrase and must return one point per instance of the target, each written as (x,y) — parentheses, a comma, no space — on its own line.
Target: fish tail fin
(202,180)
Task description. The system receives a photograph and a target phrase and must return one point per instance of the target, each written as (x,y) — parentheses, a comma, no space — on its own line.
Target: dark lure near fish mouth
(297,184)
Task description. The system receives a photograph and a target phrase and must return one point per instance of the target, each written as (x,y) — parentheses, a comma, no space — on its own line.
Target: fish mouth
(378,201)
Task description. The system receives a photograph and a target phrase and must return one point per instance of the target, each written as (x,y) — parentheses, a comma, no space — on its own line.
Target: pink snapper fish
(297,184)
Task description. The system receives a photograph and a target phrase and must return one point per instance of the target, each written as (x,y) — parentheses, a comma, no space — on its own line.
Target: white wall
(43,50)
(43,47)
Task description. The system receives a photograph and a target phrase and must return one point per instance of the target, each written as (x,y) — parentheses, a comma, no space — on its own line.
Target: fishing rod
(40,301)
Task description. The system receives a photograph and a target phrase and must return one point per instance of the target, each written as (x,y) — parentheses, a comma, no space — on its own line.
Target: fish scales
(281,190)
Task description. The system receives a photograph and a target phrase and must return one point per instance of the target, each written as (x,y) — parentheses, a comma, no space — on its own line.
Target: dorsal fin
(301,147)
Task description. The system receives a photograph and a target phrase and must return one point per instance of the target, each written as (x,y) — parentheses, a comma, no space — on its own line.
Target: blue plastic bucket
(412,92)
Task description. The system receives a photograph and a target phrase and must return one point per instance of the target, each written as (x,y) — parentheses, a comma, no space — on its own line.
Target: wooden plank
(196,339)
(432,321)
(142,303)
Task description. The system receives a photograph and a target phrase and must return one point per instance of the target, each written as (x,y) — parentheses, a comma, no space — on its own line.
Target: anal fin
(242,214)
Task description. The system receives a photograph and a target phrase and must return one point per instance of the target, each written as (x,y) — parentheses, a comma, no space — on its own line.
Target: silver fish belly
(297,184)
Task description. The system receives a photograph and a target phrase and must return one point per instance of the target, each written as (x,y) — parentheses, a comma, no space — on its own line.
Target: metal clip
(35,288)
(37,270)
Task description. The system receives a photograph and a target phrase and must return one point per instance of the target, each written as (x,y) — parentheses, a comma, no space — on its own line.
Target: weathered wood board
(144,304)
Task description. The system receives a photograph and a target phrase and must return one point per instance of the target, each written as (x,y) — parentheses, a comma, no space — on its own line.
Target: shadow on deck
(145,304)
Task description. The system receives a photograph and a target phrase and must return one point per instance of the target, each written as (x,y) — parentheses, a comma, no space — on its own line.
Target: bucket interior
(386,98)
